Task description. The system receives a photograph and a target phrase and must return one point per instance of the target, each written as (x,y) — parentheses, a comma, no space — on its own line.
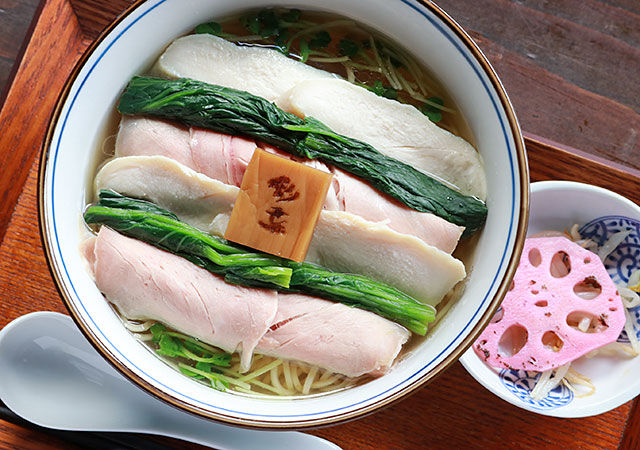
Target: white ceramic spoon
(51,376)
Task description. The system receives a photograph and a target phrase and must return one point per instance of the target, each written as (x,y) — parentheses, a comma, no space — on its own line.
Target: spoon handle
(86,439)
(224,437)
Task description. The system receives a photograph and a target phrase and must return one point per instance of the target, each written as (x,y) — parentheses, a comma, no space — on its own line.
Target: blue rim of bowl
(454,33)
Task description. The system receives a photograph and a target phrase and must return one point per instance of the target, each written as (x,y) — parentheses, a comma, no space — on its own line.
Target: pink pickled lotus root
(539,304)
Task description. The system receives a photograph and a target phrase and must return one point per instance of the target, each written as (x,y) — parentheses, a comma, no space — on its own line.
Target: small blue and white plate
(557,205)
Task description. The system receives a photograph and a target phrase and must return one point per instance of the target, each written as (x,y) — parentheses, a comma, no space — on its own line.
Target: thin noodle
(275,380)
(337,59)
(321,384)
(137,327)
(145,337)
(266,387)
(351,76)
(376,55)
(325,374)
(296,380)
(335,23)
(287,375)
(264,369)
(307,383)
(392,72)
(365,67)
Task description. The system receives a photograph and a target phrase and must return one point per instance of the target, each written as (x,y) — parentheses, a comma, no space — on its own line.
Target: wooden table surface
(571,68)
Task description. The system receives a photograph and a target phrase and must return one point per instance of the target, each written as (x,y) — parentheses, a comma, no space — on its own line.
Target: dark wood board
(453,411)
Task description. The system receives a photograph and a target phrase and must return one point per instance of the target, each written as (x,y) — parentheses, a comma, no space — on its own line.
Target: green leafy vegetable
(169,346)
(251,23)
(281,41)
(291,16)
(383,91)
(269,23)
(207,362)
(304,50)
(265,24)
(112,199)
(255,269)
(431,110)
(236,112)
(348,47)
(320,40)
(178,237)
(209,28)
(157,330)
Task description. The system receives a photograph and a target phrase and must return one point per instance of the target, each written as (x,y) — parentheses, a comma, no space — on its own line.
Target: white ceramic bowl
(129,46)
(557,205)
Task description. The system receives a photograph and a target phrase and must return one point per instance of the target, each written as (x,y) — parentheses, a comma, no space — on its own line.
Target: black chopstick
(87,439)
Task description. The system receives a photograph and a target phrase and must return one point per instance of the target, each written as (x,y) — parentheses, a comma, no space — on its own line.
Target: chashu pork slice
(145,282)
(332,335)
(225,158)
(342,241)
(260,71)
(395,129)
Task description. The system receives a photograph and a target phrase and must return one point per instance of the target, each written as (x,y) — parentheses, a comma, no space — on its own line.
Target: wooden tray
(453,411)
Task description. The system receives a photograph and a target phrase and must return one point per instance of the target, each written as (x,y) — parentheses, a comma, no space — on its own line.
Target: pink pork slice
(225,158)
(541,302)
(148,283)
(333,336)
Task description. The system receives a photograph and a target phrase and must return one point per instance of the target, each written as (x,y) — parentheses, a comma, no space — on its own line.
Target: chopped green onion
(383,91)
(320,40)
(304,50)
(269,23)
(431,110)
(348,47)
(209,28)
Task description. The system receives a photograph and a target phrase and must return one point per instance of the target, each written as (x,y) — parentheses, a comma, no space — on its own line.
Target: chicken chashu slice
(264,72)
(395,129)
(341,241)
(225,158)
(194,197)
(145,282)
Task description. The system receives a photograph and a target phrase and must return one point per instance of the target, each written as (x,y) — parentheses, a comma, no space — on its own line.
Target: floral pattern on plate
(521,383)
(624,259)
(619,264)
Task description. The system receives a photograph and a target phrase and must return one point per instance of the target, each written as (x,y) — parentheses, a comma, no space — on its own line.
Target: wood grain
(94,15)
(533,27)
(15,18)
(17,437)
(569,68)
(21,143)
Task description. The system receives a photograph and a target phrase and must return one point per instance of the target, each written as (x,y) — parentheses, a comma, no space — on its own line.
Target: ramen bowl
(128,47)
